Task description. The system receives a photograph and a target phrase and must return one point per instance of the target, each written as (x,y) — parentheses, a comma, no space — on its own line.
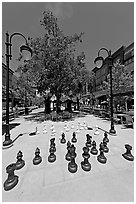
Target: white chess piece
(84,125)
(45,130)
(77,131)
(96,131)
(67,128)
(72,126)
(81,127)
(52,127)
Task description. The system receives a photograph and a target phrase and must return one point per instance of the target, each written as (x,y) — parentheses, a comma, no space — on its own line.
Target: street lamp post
(100,58)
(8,140)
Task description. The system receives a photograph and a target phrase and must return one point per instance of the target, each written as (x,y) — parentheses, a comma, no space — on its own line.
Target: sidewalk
(52,182)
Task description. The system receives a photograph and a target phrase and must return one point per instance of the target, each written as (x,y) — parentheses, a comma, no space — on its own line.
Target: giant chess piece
(20,162)
(127,155)
(72,166)
(101,158)
(72,126)
(96,130)
(37,159)
(105,139)
(105,148)
(52,156)
(74,139)
(68,155)
(86,166)
(84,125)
(45,129)
(89,140)
(52,144)
(63,140)
(12,179)
(94,151)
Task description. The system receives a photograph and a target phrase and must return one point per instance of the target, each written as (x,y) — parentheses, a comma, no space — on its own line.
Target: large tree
(52,67)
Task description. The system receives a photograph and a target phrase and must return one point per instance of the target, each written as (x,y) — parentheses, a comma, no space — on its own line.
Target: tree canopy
(54,66)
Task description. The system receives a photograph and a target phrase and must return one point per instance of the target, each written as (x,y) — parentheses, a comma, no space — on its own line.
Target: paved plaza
(52,182)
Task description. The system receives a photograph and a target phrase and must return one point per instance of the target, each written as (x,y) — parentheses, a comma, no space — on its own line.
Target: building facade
(125,56)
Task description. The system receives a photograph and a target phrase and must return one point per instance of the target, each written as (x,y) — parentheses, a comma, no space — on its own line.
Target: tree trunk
(78,106)
(69,106)
(58,103)
(47,103)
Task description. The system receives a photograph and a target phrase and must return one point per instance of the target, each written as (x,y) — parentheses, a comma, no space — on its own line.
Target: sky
(105,24)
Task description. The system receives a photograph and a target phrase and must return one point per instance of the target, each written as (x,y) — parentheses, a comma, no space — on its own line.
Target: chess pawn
(72,126)
(68,155)
(77,131)
(37,159)
(94,151)
(52,156)
(65,125)
(44,130)
(96,131)
(84,125)
(67,128)
(101,158)
(89,141)
(53,131)
(74,139)
(12,179)
(20,162)
(105,148)
(86,166)
(81,127)
(105,139)
(63,140)
(52,127)
(127,155)
(72,166)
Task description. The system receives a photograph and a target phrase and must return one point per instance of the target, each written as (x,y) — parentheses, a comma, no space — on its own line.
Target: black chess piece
(52,141)
(94,151)
(127,155)
(86,166)
(89,140)
(12,179)
(105,148)
(63,140)
(52,144)
(105,139)
(74,139)
(37,159)
(52,156)
(68,155)
(72,166)
(20,162)
(101,158)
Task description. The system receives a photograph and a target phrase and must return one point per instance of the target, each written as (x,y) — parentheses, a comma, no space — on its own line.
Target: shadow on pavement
(41,116)
(11,126)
